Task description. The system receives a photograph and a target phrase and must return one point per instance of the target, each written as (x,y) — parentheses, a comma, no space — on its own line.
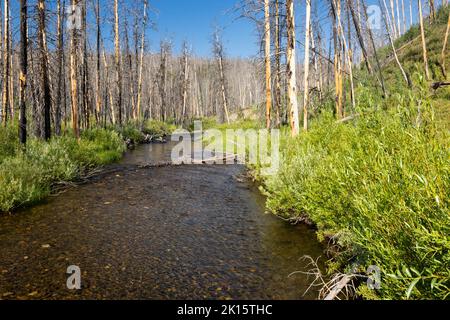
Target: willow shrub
(380,185)
(27,177)
(158,129)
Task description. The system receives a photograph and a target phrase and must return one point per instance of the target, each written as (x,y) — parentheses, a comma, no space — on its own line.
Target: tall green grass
(379,187)
(27,176)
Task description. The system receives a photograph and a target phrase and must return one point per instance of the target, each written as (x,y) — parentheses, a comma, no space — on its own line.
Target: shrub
(21,183)
(9,142)
(130,132)
(158,129)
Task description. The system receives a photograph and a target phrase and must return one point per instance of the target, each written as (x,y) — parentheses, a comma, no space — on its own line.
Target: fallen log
(437,85)
(338,287)
(349,118)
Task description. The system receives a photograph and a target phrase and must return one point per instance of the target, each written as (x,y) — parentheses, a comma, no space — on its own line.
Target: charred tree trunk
(357,24)
(98,108)
(60,53)
(45,83)
(85,72)
(23,71)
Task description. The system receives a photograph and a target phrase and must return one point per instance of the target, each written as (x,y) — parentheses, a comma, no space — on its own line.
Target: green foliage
(207,123)
(158,129)
(20,183)
(130,132)
(409,48)
(27,176)
(379,185)
(9,141)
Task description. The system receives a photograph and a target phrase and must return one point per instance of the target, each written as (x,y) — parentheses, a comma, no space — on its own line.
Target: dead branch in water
(340,286)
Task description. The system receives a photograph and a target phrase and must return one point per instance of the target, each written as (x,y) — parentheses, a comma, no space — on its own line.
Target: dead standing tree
(267,59)
(162,78)
(6,65)
(185,82)
(141,62)
(385,16)
(277,63)
(443,55)
(23,71)
(424,42)
(85,92)
(291,69)
(98,107)
(306,65)
(338,71)
(73,69)
(59,58)
(219,54)
(117,60)
(374,48)
(45,81)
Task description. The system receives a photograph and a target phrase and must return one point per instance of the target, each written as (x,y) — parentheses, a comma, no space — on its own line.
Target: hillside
(409,50)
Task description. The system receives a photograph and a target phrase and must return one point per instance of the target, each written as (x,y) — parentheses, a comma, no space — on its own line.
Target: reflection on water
(189,232)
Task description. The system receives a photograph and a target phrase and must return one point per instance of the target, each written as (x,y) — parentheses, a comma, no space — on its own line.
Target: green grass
(26,177)
(377,187)
(212,123)
(158,129)
(409,47)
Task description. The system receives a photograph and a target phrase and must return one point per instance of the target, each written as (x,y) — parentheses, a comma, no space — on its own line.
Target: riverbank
(27,177)
(377,190)
(173,232)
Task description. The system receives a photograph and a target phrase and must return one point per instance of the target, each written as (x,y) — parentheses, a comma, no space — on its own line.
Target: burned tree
(45,81)
(23,71)
(291,69)
(219,55)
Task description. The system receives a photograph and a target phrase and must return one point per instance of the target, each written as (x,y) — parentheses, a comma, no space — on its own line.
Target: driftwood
(349,118)
(190,161)
(338,287)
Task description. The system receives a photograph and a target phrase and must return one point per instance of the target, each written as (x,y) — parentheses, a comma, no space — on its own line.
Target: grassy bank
(27,177)
(378,190)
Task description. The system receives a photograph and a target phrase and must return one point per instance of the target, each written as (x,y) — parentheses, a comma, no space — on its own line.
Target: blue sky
(194,21)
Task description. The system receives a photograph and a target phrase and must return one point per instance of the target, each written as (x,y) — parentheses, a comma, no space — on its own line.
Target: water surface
(185,232)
